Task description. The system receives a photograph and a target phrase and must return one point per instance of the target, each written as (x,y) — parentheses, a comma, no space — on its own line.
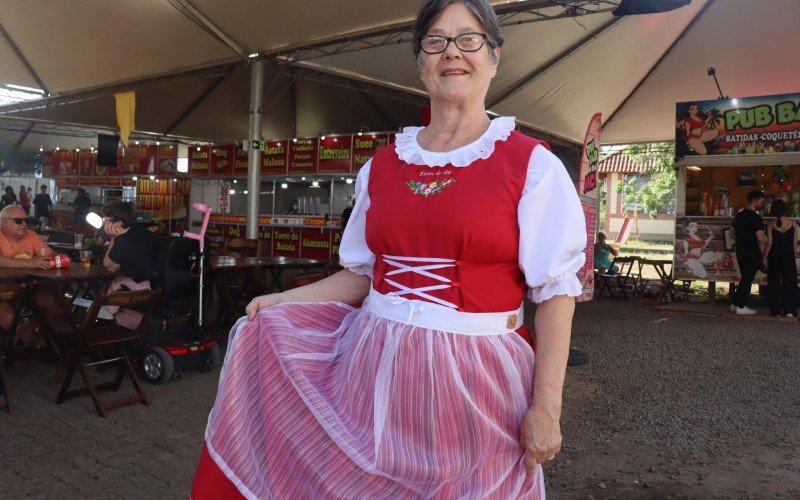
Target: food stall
(144,174)
(305,185)
(724,149)
(306,182)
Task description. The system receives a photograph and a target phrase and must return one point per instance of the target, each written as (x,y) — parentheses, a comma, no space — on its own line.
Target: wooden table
(275,265)
(57,282)
(8,275)
(668,289)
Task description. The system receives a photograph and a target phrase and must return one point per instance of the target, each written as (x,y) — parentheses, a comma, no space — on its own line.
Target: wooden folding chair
(617,283)
(11,294)
(109,339)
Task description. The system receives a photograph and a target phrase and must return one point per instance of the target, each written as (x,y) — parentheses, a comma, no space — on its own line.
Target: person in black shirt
(82,205)
(132,253)
(347,212)
(42,203)
(751,243)
(9,198)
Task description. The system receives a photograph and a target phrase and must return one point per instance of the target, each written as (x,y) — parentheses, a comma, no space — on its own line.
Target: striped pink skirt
(320,400)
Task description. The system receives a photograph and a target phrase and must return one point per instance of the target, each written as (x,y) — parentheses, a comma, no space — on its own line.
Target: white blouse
(551,220)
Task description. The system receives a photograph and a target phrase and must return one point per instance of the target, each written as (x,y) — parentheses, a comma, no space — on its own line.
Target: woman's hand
(263,301)
(541,437)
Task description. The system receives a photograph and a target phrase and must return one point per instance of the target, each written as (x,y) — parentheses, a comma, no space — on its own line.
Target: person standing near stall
(8,198)
(430,389)
(42,204)
(24,200)
(82,205)
(779,259)
(748,229)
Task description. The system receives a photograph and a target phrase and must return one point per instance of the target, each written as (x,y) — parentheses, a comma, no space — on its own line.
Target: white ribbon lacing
(422,266)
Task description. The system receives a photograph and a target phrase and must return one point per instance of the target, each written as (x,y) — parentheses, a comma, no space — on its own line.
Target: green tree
(20,162)
(656,192)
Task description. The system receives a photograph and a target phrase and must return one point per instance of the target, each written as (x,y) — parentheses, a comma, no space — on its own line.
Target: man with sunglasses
(22,248)
(19,246)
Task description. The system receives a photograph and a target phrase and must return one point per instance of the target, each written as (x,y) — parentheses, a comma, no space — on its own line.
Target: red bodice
(465,214)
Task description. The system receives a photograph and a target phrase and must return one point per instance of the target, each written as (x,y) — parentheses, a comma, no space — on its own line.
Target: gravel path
(679,405)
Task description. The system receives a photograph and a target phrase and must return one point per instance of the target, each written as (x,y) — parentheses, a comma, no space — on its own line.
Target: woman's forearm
(553,328)
(344,286)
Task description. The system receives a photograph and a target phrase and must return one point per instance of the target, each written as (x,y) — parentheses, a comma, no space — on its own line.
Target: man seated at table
(21,248)
(603,252)
(132,252)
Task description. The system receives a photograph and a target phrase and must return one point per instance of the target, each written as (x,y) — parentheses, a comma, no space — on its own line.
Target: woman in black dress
(779,257)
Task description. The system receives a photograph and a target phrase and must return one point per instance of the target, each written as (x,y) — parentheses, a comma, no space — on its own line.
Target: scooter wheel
(157,365)
(213,358)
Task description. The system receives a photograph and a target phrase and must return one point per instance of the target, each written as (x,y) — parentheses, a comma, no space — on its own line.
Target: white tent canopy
(346,64)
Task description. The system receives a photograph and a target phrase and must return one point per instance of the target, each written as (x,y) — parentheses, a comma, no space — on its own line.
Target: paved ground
(669,406)
(68,451)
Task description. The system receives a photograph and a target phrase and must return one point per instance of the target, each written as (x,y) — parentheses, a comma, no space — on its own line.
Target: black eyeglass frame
(17,220)
(453,39)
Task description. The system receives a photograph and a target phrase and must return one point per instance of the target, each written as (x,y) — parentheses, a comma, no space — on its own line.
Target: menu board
(167,160)
(136,160)
(86,161)
(221,161)
(273,159)
(285,242)
(303,156)
(365,146)
(335,153)
(198,161)
(65,162)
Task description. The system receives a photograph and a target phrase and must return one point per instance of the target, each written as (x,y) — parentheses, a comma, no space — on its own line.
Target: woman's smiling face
(454,76)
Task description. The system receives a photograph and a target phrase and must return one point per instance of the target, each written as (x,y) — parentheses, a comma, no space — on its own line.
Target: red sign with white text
(273,159)
(315,244)
(285,242)
(198,161)
(365,146)
(336,240)
(303,156)
(335,154)
(221,161)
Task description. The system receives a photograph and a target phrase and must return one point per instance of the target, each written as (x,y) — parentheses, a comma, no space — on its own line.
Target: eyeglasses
(466,42)
(17,220)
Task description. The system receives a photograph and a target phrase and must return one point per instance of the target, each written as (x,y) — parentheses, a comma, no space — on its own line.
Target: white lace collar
(409,150)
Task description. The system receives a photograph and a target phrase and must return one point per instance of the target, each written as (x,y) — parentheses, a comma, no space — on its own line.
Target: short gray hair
(431,9)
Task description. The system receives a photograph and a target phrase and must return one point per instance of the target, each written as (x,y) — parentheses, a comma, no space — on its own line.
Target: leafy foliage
(657,192)
(20,162)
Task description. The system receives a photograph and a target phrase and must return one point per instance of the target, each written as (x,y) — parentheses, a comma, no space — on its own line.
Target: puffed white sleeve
(552,229)
(354,254)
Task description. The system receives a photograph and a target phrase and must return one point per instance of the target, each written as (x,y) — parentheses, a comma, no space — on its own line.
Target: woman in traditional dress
(428,390)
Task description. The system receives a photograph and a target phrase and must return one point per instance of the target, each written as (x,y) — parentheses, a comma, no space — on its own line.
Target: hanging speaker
(107,150)
(634,7)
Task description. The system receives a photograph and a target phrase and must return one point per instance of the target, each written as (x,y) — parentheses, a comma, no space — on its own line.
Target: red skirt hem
(210,482)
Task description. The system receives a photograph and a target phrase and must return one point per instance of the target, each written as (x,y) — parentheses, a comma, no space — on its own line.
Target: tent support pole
(254,156)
